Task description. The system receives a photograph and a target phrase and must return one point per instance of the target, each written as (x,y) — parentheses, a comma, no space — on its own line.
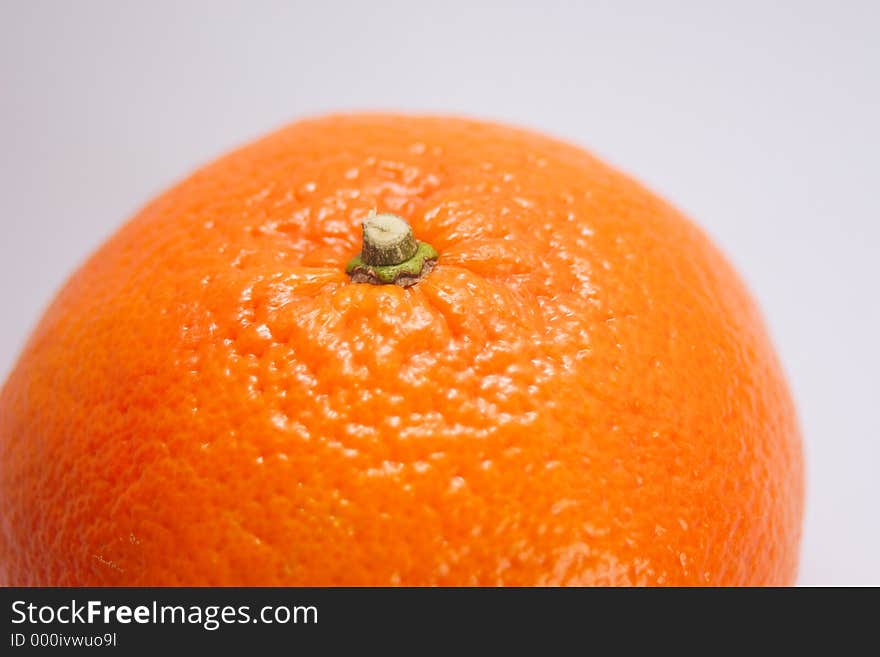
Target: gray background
(759,119)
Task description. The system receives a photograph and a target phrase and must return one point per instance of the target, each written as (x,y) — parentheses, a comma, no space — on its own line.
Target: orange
(581,391)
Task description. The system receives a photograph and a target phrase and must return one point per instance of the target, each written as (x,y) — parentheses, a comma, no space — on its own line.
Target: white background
(759,120)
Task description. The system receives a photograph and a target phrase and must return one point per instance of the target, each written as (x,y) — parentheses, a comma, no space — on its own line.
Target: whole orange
(581,391)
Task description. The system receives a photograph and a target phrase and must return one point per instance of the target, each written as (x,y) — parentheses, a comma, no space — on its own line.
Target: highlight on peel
(401,350)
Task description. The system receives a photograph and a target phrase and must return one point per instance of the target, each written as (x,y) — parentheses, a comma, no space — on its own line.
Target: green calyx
(390,255)
(388,274)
